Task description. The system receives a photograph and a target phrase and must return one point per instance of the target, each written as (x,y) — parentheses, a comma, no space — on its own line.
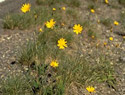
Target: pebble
(2,76)
(26,68)
(122,59)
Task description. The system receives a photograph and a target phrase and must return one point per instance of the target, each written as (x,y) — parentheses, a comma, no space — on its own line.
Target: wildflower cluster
(62,43)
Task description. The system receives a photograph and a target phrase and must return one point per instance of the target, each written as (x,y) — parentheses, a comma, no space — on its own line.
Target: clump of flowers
(111,38)
(62,43)
(106,1)
(116,23)
(92,11)
(77,28)
(64,8)
(90,89)
(25,8)
(50,24)
(54,64)
(54,9)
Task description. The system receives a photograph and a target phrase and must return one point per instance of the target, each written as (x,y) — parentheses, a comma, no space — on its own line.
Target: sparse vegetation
(122,2)
(107,22)
(122,19)
(81,59)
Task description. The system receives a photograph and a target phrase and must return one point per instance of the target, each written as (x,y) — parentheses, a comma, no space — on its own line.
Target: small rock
(26,68)
(122,59)
(13,62)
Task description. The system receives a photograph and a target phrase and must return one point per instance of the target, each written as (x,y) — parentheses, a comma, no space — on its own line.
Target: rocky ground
(116,54)
(11,42)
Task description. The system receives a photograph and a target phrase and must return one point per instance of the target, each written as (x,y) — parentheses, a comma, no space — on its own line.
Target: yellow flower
(105,43)
(64,8)
(40,30)
(54,9)
(90,89)
(25,8)
(111,38)
(92,10)
(50,24)
(116,23)
(35,16)
(98,21)
(93,37)
(62,43)
(77,28)
(123,37)
(97,45)
(106,1)
(62,24)
(54,64)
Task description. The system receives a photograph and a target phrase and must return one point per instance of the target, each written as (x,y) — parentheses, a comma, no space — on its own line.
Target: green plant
(28,20)
(122,2)
(49,2)
(92,34)
(42,79)
(73,3)
(107,22)
(15,85)
(72,13)
(122,19)
(45,43)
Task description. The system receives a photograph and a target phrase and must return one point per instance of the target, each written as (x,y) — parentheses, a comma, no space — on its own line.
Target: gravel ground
(11,40)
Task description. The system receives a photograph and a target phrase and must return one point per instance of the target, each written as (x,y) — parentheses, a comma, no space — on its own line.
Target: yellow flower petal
(116,23)
(90,89)
(25,8)
(106,1)
(77,28)
(40,30)
(54,9)
(92,10)
(54,64)
(50,24)
(62,43)
(64,8)
(111,38)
